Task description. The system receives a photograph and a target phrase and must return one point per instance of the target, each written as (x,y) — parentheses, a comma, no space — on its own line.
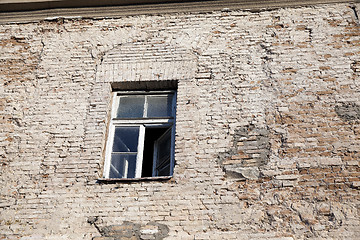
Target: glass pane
(159,106)
(164,171)
(164,145)
(163,154)
(126,139)
(131,107)
(122,166)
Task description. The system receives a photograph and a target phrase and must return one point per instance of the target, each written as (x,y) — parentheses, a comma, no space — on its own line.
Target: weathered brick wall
(267,131)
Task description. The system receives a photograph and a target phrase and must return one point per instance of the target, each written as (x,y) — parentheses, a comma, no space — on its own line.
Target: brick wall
(267,128)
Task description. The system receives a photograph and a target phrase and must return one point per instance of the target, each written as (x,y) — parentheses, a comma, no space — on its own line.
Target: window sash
(160,162)
(147,96)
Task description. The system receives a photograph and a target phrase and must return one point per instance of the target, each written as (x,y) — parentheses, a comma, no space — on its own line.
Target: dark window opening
(151,136)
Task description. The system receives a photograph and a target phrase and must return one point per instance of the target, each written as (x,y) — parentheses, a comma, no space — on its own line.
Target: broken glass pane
(122,165)
(131,107)
(159,106)
(126,139)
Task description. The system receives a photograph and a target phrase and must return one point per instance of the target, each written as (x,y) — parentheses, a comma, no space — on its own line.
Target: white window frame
(142,123)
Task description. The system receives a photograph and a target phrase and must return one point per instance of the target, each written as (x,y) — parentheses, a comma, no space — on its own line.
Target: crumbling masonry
(267,125)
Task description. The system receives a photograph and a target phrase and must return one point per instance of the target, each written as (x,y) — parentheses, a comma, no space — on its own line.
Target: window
(141,135)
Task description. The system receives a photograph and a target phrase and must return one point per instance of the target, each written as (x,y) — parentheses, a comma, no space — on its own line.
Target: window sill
(143,179)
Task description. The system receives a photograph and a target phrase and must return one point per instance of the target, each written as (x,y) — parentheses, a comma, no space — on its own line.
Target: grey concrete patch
(348,111)
(133,231)
(251,149)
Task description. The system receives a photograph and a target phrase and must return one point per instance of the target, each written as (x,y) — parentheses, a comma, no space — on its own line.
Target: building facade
(266,132)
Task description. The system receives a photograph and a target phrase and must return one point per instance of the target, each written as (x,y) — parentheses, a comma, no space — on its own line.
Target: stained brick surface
(267,127)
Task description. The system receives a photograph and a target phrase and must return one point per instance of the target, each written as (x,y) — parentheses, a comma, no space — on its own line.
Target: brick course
(267,125)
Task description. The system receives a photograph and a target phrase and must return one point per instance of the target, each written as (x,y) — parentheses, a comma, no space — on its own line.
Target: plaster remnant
(133,231)
(348,111)
(251,173)
(250,150)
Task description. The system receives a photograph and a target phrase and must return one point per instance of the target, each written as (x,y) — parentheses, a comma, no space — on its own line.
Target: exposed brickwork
(267,125)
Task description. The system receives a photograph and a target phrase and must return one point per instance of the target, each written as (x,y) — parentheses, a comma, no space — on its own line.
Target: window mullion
(145,107)
(115,105)
(172,149)
(140,153)
(109,144)
(155,153)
